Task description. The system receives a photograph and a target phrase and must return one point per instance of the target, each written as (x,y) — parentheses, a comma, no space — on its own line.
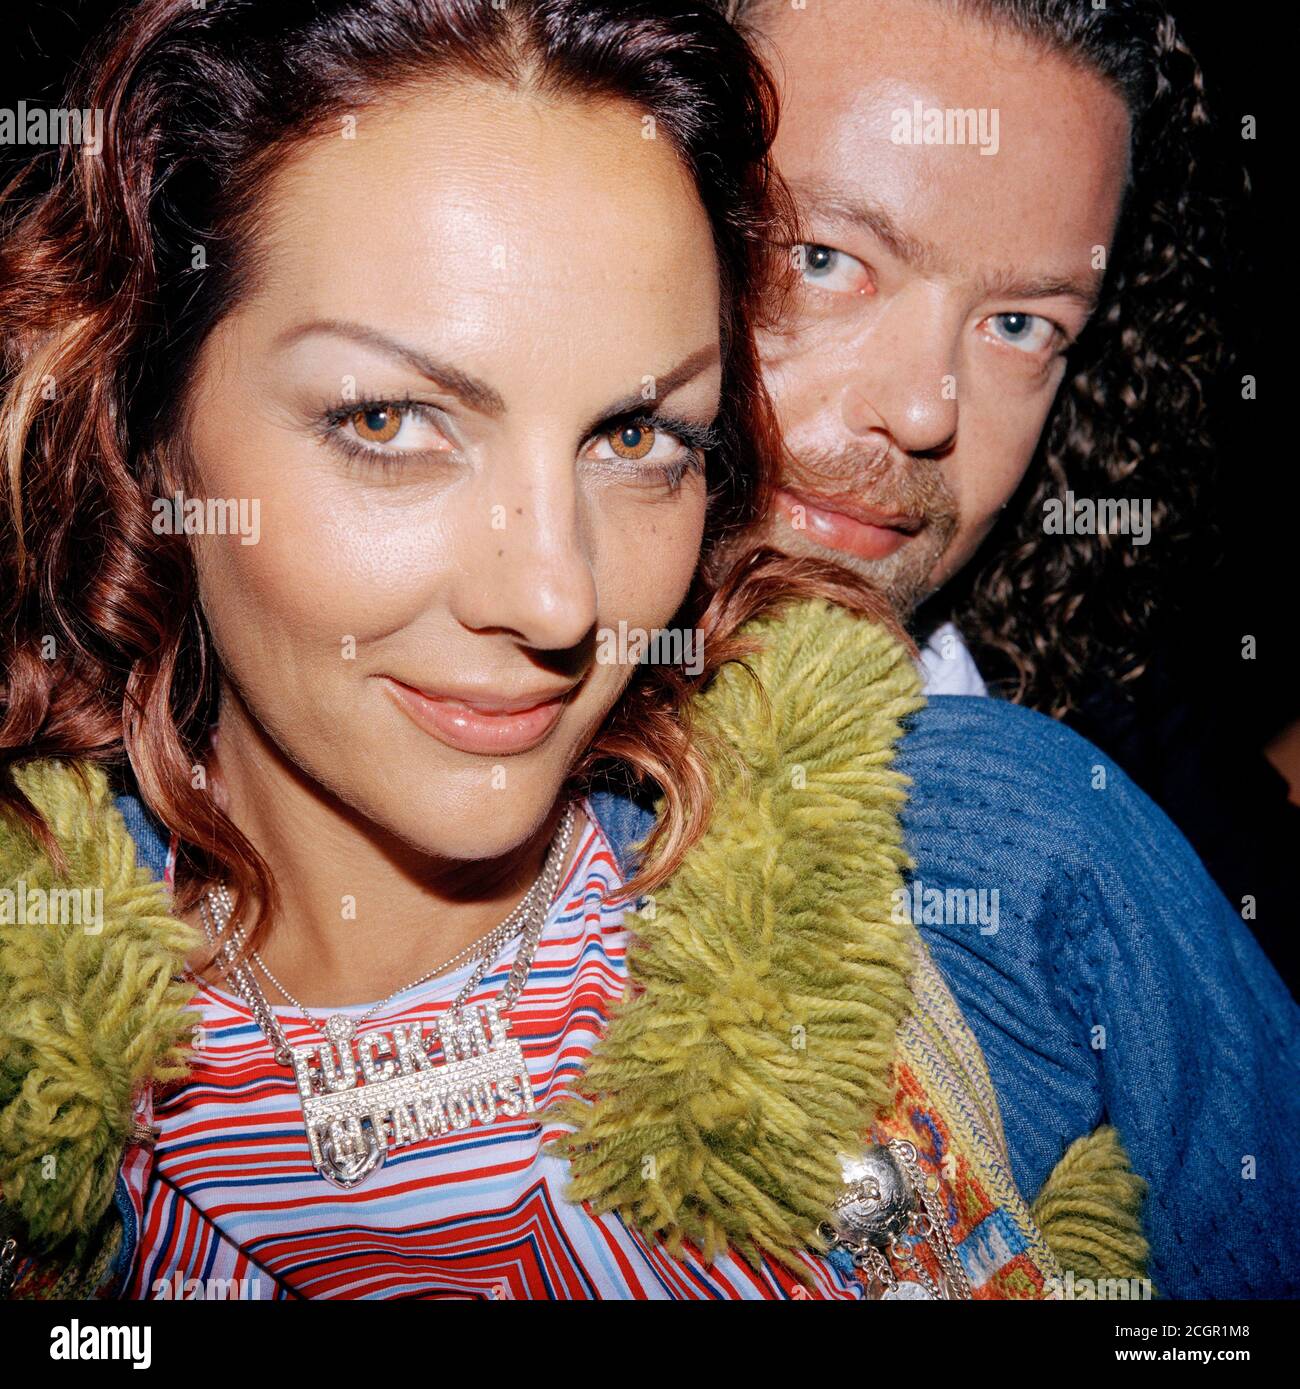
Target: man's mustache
(887,480)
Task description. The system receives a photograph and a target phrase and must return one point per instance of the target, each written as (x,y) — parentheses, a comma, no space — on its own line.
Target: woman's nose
(524,564)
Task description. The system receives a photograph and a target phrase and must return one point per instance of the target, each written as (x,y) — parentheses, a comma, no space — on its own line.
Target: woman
(375,402)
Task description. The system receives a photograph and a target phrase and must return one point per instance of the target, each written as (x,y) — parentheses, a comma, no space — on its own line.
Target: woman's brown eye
(632,441)
(377,425)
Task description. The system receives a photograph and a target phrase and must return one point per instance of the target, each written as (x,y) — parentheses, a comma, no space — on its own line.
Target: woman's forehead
(480,214)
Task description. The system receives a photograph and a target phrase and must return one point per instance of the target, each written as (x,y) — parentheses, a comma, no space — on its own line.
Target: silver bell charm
(878,1202)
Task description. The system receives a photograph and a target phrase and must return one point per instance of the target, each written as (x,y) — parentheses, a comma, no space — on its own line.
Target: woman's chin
(453,823)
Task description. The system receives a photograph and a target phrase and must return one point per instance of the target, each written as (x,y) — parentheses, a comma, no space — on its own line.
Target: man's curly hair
(1052,617)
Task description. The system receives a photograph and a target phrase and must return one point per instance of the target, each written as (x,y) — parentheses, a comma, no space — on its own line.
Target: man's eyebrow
(692,365)
(835,205)
(475,393)
(1085,289)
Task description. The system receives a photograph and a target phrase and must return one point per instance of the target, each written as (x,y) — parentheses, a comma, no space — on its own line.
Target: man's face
(942,283)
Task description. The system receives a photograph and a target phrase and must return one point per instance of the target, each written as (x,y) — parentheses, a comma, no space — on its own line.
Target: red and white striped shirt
(478,1212)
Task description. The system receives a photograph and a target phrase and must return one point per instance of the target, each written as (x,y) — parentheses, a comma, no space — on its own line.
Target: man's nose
(904,385)
(524,566)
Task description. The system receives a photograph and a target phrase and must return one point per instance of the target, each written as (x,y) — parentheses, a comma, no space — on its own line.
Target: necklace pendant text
(363,1095)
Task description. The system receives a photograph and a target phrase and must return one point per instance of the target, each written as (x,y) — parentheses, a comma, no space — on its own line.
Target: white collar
(947,665)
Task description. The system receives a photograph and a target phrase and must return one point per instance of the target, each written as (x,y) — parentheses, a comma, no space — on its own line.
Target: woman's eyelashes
(386,430)
(653,446)
(390,432)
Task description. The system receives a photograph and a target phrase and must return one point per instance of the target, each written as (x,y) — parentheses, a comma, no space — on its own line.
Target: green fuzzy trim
(1090,1210)
(756,1041)
(86,1019)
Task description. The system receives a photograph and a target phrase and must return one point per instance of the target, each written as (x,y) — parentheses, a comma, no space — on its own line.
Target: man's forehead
(857,59)
(948,138)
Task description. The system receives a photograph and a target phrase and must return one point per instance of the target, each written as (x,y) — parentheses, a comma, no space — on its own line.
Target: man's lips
(846,526)
(481,723)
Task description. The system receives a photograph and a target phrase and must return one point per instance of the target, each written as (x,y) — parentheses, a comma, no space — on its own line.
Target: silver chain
(935,1227)
(529,918)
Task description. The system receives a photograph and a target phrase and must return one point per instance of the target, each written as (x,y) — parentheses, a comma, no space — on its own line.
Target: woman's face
(465,305)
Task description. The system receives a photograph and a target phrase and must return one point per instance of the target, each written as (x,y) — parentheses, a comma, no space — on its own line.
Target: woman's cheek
(326,565)
(646,574)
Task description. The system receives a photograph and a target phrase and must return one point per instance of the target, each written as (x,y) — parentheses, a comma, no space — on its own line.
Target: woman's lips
(867,535)
(483,726)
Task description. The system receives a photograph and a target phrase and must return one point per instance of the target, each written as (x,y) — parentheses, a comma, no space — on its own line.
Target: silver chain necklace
(486,947)
(390,1088)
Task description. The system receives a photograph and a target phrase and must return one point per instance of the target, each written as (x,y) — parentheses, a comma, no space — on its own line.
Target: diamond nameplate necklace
(395,1087)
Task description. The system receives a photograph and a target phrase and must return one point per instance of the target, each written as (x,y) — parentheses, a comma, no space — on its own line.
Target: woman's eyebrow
(665,383)
(475,393)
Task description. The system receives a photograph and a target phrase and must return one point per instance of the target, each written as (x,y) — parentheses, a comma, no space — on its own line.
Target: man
(994,378)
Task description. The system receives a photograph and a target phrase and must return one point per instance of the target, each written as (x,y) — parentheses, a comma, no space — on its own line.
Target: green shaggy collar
(757,1041)
(87,1016)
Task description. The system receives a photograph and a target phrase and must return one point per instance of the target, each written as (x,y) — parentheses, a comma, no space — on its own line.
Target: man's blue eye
(1029,332)
(834,271)
(820,259)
